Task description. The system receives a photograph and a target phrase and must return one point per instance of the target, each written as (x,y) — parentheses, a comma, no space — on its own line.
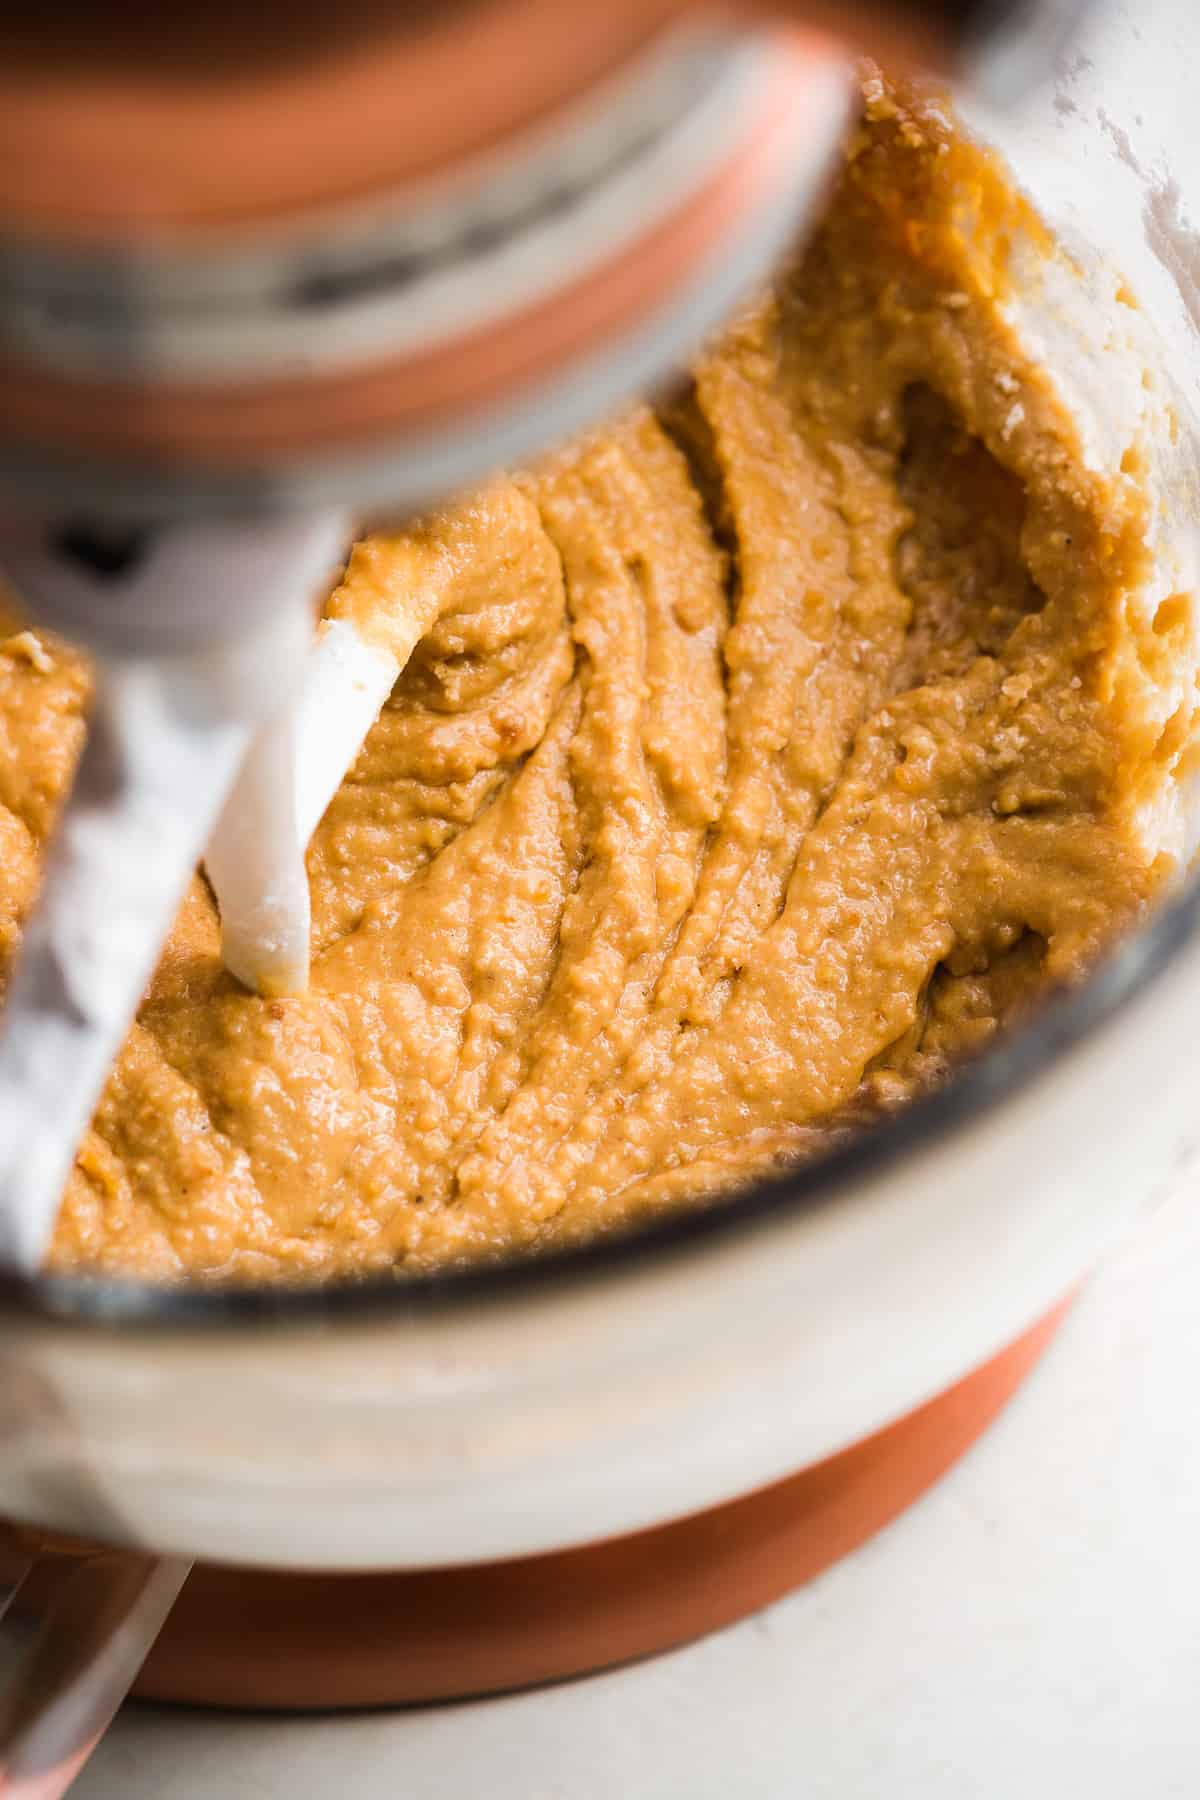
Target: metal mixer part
(440,315)
(151,591)
(387,276)
(403,471)
(389,354)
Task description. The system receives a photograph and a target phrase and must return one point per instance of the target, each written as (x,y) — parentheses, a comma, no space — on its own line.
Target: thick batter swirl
(760,759)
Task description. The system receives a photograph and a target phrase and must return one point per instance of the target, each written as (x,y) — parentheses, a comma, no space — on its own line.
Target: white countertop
(1031,1628)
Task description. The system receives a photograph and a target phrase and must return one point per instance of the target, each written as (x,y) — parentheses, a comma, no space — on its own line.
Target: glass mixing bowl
(487,1414)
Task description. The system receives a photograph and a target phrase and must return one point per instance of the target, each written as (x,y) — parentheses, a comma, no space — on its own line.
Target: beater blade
(197,639)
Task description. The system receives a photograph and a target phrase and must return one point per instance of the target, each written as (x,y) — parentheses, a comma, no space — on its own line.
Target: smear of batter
(764,756)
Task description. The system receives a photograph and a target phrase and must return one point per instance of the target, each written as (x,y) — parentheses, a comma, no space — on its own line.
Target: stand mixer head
(296,259)
(272,272)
